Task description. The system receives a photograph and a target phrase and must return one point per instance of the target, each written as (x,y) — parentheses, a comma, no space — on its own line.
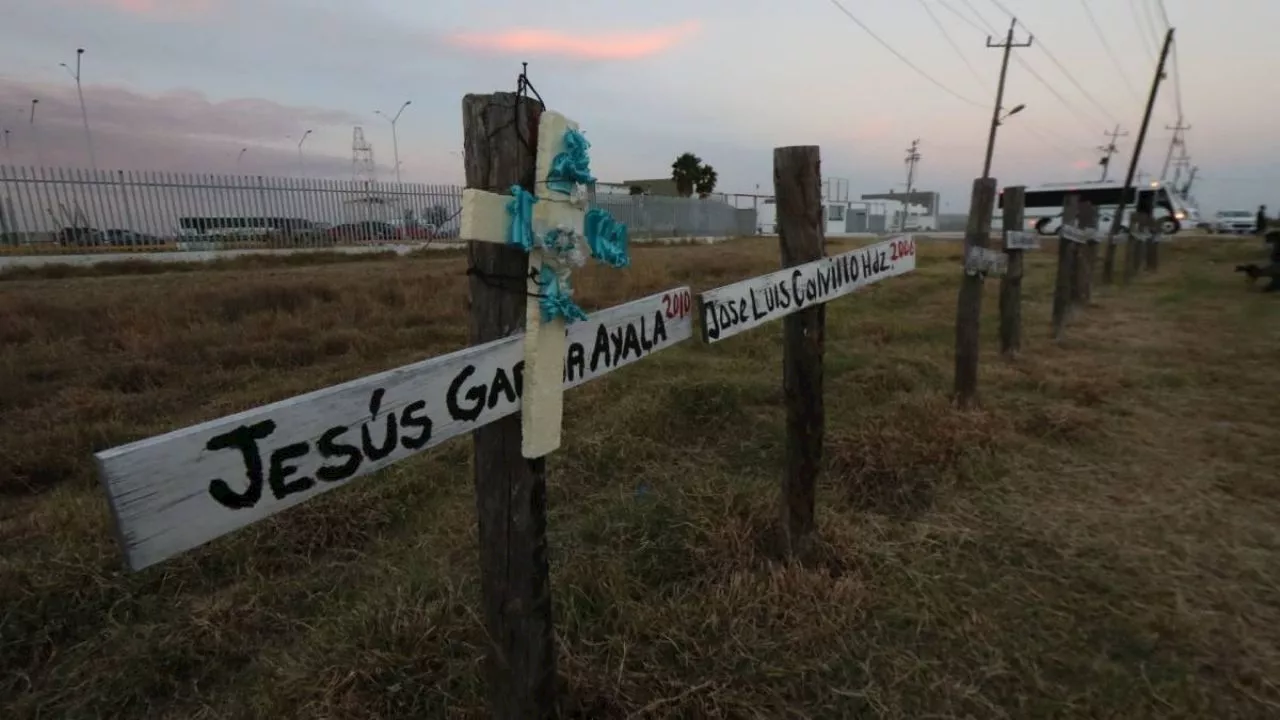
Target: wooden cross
(550,225)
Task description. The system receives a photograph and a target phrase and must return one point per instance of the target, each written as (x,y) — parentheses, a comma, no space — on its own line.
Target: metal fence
(44,208)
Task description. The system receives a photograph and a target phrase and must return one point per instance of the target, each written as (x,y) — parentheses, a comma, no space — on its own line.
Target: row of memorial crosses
(551,225)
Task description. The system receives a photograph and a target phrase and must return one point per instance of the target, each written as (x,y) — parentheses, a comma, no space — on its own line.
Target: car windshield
(1235,213)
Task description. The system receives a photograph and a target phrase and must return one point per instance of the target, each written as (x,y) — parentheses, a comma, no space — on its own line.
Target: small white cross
(486,218)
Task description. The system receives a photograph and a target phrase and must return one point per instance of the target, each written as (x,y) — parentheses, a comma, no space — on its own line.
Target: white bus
(1043,211)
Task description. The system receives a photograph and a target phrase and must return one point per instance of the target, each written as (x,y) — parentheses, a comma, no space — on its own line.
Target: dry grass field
(1102,540)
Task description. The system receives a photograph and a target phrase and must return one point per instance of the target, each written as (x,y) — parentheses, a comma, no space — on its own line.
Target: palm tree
(691,174)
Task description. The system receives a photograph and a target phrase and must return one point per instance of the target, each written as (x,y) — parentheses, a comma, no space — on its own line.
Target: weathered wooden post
(1154,238)
(799,293)
(174,492)
(1088,258)
(797,180)
(1066,253)
(1014,199)
(500,132)
(969,304)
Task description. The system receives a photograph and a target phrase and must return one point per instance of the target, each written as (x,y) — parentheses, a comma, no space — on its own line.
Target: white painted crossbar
(174,492)
(729,310)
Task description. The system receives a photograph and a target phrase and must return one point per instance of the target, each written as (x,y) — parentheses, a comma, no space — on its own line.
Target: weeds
(1099,540)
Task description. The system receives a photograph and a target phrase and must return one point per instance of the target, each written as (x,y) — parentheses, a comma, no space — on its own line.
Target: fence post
(1066,254)
(969,305)
(511,492)
(1011,283)
(1087,260)
(798,188)
(1153,246)
(1133,247)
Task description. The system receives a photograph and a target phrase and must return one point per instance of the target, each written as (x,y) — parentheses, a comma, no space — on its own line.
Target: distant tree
(637,190)
(706,181)
(692,175)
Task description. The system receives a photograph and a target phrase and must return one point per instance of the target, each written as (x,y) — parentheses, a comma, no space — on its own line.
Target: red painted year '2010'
(678,304)
(902,248)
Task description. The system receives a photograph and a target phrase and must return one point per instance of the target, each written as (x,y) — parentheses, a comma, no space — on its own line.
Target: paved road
(12,261)
(191,255)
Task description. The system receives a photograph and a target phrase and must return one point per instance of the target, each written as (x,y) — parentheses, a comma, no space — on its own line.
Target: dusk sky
(182,85)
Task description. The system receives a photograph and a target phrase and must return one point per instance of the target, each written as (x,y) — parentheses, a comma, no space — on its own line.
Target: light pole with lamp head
(395,144)
(240,157)
(84,114)
(304,139)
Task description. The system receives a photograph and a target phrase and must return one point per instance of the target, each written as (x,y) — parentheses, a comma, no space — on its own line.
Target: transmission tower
(363,168)
(1176,142)
(1109,149)
(913,157)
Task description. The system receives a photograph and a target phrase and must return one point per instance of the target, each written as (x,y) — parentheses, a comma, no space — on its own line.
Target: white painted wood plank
(985,261)
(161,489)
(554,212)
(542,418)
(484,216)
(1021,240)
(729,310)
(1073,234)
(551,130)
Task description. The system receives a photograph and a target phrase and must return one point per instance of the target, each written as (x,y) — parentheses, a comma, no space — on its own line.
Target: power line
(1150,21)
(1142,28)
(1088,95)
(953,44)
(904,58)
(965,18)
(990,28)
(1093,20)
(1071,107)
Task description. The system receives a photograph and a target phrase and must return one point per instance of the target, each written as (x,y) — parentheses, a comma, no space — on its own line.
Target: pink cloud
(152,9)
(609,46)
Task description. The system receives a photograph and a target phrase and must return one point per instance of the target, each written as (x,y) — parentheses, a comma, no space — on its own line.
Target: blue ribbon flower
(556,300)
(520,208)
(571,166)
(607,238)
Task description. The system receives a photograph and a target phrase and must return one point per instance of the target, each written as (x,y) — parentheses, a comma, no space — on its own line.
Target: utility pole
(1108,268)
(1008,45)
(1175,142)
(913,157)
(1110,149)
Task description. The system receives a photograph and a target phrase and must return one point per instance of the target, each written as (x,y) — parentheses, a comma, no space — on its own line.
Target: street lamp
(35,134)
(93,162)
(304,139)
(1016,109)
(395,145)
(240,157)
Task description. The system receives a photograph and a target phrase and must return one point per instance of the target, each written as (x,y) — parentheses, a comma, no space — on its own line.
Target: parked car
(362,231)
(1235,221)
(129,238)
(81,237)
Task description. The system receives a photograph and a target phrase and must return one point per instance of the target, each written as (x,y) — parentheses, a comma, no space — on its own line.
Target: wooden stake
(797,179)
(969,305)
(1011,283)
(1088,258)
(500,135)
(1066,253)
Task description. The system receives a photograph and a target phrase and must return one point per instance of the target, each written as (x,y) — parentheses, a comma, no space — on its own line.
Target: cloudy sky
(183,85)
